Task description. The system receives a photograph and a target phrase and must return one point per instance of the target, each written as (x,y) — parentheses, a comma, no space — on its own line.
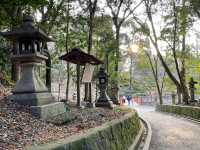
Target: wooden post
(78,85)
(90,92)
(48,73)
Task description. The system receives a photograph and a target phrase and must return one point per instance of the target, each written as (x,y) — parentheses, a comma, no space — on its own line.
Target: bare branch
(126,15)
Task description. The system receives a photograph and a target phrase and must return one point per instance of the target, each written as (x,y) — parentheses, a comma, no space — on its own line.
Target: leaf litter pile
(19,129)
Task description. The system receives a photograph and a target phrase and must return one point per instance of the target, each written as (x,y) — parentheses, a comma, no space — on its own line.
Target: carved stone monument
(103,99)
(28,49)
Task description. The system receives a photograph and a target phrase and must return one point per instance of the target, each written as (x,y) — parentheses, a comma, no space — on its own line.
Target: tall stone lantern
(28,49)
(103,99)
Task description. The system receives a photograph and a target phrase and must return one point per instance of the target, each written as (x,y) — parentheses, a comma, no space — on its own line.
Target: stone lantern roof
(27,30)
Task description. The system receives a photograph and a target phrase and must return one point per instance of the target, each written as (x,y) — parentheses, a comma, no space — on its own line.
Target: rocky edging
(146,139)
(184,111)
(117,134)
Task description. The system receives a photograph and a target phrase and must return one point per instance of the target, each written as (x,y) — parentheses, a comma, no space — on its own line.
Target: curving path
(170,132)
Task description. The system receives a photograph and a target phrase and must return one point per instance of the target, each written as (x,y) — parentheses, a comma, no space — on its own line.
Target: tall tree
(157,71)
(90,7)
(154,67)
(67,47)
(120,10)
(181,84)
(51,13)
(180,23)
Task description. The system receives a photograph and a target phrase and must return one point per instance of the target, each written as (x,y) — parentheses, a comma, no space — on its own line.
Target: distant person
(74,96)
(121,100)
(129,99)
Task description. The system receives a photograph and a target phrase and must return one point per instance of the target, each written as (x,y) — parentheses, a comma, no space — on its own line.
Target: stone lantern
(29,46)
(192,89)
(114,94)
(103,99)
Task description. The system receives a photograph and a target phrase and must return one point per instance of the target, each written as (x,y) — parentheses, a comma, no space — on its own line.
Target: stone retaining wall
(185,111)
(118,134)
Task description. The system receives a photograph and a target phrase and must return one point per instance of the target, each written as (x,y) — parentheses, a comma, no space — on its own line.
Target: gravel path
(170,132)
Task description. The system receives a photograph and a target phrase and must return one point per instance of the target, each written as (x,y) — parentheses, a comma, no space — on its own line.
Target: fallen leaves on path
(19,129)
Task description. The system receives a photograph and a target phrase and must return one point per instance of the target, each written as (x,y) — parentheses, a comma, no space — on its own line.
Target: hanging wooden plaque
(88,73)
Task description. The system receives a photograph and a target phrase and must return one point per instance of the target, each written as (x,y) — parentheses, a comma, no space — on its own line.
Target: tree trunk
(89,85)
(67,50)
(185,93)
(92,10)
(131,71)
(160,98)
(115,94)
(159,91)
(68,81)
(179,95)
(117,52)
(15,68)
(174,41)
(155,75)
(90,34)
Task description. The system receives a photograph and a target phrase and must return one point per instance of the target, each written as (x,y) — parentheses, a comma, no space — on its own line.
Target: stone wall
(185,111)
(118,134)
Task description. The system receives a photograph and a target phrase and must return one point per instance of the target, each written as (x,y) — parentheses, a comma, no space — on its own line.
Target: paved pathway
(170,132)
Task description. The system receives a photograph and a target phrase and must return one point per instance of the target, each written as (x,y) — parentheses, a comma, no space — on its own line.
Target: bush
(186,111)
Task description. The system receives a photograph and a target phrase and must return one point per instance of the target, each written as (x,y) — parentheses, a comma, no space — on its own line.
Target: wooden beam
(78,85)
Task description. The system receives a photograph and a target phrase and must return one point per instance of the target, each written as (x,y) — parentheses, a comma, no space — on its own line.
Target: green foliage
(32,3)
(196,7)
(11,11)
(54,21)
(184,19)
(5,64)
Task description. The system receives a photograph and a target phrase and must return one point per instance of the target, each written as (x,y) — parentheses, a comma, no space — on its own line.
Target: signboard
(88,73)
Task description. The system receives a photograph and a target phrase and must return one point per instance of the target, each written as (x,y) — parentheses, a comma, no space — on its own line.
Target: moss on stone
(186,111)
(79,144)
(115,135)
(93,142)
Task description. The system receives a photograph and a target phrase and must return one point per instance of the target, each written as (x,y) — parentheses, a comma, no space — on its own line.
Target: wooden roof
(77,56)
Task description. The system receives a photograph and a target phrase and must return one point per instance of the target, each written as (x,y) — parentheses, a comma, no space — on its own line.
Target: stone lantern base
(31,91)
(49,111)
(33,99)
(108,104)
(104,100)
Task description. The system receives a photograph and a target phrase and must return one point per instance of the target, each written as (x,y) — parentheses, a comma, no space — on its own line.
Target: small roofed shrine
(29,46)
(76,56)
